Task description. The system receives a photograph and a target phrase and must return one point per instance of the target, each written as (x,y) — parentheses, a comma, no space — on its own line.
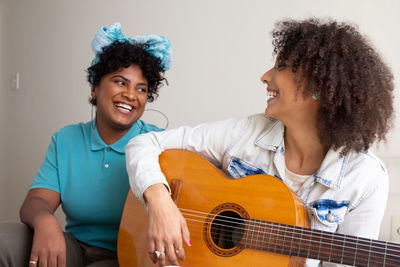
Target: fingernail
(154,261)
(190,242)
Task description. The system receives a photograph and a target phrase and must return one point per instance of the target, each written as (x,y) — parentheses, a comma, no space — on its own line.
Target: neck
(108,134)
(304,152)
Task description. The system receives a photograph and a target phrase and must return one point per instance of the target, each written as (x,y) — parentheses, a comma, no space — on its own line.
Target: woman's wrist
(156,193)
(44,219)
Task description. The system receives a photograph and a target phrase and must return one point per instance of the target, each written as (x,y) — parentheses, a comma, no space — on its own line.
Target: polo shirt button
(330,217)
(106,165)
(108,149)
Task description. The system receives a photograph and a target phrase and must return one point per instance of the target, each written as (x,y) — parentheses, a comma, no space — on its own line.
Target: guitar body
(205,197)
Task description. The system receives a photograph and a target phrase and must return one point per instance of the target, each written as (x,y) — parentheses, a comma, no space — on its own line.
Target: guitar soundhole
(227,229)
(224,228)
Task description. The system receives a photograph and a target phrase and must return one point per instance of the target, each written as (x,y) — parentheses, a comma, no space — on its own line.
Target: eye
(280,67)
(142,90)
(120,82)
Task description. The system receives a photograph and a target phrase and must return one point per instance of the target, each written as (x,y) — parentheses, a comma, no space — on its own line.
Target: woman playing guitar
(329,99)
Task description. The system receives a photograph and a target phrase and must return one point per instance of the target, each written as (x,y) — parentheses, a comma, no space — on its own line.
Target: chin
(271,115)
(267,112)
(123,125)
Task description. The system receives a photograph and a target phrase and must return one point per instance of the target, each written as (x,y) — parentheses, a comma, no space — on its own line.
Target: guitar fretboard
(320,245)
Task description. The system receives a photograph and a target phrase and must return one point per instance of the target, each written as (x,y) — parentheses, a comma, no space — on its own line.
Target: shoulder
(366,169)
(262,120)
(262,123)
(366,161)
(73,131)
(255,124)
(147,127)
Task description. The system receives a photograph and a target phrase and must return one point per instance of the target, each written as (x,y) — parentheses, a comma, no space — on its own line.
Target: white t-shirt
(295,181)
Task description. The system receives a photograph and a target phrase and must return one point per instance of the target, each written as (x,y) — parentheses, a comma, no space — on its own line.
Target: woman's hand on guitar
(167,229)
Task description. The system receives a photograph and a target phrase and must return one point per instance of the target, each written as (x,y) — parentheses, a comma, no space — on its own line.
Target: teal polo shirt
(91,178)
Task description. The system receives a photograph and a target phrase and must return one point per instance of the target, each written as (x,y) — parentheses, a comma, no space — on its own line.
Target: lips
(272,93)
(126,108)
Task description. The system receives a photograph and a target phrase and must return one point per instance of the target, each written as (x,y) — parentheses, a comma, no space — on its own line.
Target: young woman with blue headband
(84,168)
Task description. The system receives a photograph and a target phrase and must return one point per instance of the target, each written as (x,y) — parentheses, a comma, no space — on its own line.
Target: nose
(129,93)
(266,77)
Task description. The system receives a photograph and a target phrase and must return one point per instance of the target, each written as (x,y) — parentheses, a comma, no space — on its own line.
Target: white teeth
(124,106)
(272,94)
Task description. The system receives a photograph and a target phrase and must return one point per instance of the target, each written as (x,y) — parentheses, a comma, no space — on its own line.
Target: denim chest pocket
(329,212)
(238,168)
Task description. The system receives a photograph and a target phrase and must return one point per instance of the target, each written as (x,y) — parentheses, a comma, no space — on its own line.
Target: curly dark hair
(353,84)
(120,55)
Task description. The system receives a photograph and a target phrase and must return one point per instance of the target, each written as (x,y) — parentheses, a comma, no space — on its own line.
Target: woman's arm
(38,204)
(209,140)
(167,229)
(48,244)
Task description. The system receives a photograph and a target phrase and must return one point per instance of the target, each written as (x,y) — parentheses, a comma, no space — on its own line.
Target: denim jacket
(346,195)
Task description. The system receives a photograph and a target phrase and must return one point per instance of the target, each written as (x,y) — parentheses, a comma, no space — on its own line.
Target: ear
(93,92)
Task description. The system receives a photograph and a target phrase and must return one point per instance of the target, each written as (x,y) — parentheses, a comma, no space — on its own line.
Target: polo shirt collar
(98,144)
(333,166)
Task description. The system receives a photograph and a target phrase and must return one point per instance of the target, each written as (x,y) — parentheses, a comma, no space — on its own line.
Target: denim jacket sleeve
(209,140)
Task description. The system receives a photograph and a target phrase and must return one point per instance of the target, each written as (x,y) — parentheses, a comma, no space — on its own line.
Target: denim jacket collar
(272,137)
(332,168)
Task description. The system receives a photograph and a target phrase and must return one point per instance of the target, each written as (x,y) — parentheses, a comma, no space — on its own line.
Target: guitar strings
(389,261)
(252,231)
(234,234)
(311,249)
(279,225)
(306,232)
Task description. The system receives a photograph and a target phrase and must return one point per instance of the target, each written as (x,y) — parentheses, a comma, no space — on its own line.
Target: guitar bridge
(175,189)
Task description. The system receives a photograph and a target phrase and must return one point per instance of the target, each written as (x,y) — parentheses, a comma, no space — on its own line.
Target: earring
(91,117)
(315,95)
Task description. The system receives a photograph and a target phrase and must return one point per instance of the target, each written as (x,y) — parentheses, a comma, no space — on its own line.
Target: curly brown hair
(120,55)
(353,84)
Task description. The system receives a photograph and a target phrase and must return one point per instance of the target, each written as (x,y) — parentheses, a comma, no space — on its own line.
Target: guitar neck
(320,245)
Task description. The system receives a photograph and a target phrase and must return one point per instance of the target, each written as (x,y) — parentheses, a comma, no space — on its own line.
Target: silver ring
(159,253)
(178,249)
(33,262)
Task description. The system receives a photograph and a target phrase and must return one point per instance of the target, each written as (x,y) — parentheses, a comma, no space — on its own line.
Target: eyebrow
(127,80)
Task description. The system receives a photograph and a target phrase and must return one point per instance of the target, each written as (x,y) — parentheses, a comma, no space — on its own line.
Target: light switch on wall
(395,229)
(15,81)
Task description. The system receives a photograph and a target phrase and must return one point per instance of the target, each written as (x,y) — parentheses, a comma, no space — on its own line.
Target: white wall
(2,111)
(220,50)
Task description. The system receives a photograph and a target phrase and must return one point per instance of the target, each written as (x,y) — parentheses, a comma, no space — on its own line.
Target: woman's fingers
(179,251)
(42,262)
(167,228)
(62,260)
(48,247)
(161,256)
(185,233)
(151,250)
(170,251)
(33,262)
(52,261)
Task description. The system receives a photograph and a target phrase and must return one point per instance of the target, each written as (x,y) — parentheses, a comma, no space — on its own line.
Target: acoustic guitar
(252,221)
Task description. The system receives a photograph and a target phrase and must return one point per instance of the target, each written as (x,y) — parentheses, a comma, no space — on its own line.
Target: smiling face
(121,97)
(285,102)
